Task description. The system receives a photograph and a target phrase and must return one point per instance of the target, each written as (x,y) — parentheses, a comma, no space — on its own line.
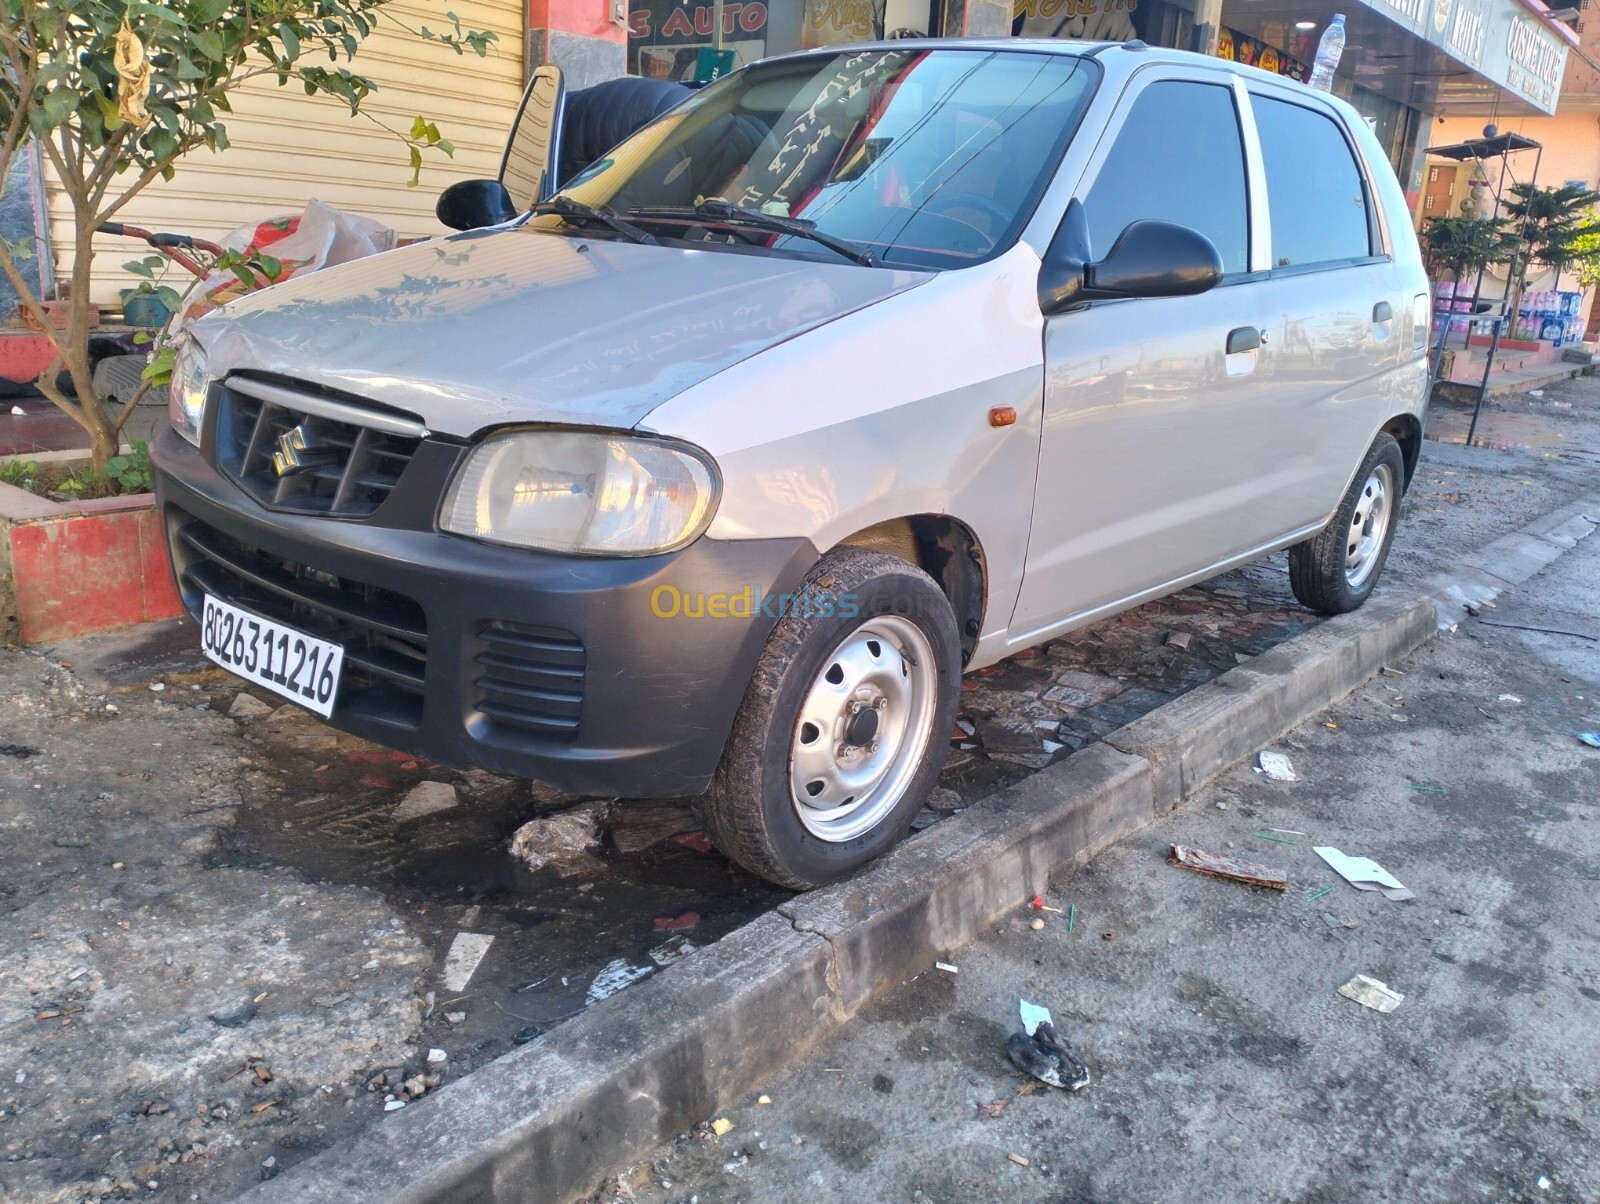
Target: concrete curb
(546,1122)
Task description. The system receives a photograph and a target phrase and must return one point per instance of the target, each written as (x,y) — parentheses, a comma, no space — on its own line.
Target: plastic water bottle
(1329,48)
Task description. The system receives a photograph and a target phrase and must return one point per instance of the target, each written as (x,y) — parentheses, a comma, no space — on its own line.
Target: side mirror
(1149,259)
(1155,259)
(473,204)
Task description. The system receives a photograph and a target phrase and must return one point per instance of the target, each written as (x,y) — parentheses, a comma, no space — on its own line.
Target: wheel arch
(948,551)
(1406,430)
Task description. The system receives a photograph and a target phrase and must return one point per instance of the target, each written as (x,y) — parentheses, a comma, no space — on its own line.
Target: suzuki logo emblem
(297,451)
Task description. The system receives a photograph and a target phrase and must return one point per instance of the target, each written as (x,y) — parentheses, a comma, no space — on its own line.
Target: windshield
(923,158)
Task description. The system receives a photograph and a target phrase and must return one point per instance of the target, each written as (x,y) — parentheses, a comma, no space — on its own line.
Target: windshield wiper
(728,214)
(576,211)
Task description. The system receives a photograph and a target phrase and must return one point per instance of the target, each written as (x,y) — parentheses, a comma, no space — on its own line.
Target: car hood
(518,325)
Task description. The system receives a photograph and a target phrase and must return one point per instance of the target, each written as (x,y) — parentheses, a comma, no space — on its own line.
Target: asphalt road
(188,899)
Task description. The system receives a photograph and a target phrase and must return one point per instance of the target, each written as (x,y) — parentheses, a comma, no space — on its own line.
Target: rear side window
(1314,188)
(1178,158)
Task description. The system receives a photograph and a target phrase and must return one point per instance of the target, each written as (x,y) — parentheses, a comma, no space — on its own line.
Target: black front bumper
(469,654)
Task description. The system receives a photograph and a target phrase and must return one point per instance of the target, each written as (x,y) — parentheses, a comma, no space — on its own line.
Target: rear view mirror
(1155,259)
(1149,259)
(533,151)
(473,204)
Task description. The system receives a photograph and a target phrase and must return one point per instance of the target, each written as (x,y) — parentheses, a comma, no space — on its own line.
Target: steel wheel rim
(1369,526)
(846,771)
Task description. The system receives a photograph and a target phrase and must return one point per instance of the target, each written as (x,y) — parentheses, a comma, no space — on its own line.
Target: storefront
(1404,60)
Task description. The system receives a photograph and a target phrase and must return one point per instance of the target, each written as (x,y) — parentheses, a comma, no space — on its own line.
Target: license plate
(298,666)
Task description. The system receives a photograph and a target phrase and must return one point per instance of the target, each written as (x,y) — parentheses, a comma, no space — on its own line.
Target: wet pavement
(312,806)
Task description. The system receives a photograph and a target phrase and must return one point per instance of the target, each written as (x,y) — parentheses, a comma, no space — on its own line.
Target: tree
(1549,221)
(1464,246)
(115,92)
(1586,250)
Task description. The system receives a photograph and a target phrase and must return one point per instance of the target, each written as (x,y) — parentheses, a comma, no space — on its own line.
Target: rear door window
(1179,158)
(1315,190)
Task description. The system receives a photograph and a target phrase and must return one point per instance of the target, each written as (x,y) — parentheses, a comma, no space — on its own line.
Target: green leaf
(416,168)
(419,127)
(139,268)
(118,465)
(447,147)
(169,297)
(291,42)
(208,12)
(59,105)
(208,44)
(109,112)
(270,267)
(200,111)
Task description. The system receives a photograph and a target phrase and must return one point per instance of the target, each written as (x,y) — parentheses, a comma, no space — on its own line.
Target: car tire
(849,707)
(1336,571)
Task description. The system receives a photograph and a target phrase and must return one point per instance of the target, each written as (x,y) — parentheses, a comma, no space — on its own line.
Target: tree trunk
(85,409)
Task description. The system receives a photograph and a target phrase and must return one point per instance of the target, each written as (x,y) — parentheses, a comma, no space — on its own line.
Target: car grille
(384,634)
(532,679)
(350,454)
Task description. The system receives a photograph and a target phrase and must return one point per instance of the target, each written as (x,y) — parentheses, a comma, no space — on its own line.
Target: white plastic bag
(320,237)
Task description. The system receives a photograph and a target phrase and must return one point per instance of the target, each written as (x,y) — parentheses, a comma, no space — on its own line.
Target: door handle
(1381,312)
(1246,338)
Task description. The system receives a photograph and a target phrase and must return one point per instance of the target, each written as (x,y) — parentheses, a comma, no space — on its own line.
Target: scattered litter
(1277,839)
(437,1057)
(1426,789)
(765,1101)
(1363,873)
(264,1105)
(1072,917)
(425,798)
(523,1035)
(994,1109)
(1236,869)
(1038,904)
(671,950)
(18,411)
(698,841)
(561,841)
(677,923)
(157,686)
(1535,392)
(1371,993)
(1277,767)
(946,967)
(1544,1183)
(1037,1050)
(1508,698)
(1318,895)
(461,962)
(1033,1015)
(456,1017)
(1036,923)
(613,977)
(1286,831)
(1388,672)
(393,1105)
(1178,639)
(1019,1159)
(1592,739)
(722,1126)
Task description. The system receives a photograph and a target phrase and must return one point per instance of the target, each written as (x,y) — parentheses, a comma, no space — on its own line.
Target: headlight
(186,394)
(582,491)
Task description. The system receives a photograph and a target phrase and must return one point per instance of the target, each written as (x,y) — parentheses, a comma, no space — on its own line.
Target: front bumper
(519,662)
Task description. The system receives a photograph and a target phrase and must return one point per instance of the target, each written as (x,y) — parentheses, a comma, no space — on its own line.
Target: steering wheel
(940,204)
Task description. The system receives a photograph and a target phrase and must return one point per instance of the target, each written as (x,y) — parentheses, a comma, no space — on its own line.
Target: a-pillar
(587,39)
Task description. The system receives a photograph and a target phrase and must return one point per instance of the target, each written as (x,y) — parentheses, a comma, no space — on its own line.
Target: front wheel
(841,733)
(1336,571)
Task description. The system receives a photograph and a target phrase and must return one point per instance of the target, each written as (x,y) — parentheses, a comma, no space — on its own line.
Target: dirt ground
(1223,1059)
(227,944)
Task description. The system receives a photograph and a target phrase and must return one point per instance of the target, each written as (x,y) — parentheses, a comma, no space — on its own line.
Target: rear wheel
(836,744)
(1336,571)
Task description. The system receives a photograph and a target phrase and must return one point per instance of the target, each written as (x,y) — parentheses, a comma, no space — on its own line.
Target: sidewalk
(1208,1011)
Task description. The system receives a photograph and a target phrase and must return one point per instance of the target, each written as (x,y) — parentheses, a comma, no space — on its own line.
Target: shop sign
(1499,39)
(665,37)
(1233,45)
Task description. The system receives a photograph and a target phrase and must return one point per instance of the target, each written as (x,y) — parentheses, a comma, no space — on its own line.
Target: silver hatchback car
(710,473)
